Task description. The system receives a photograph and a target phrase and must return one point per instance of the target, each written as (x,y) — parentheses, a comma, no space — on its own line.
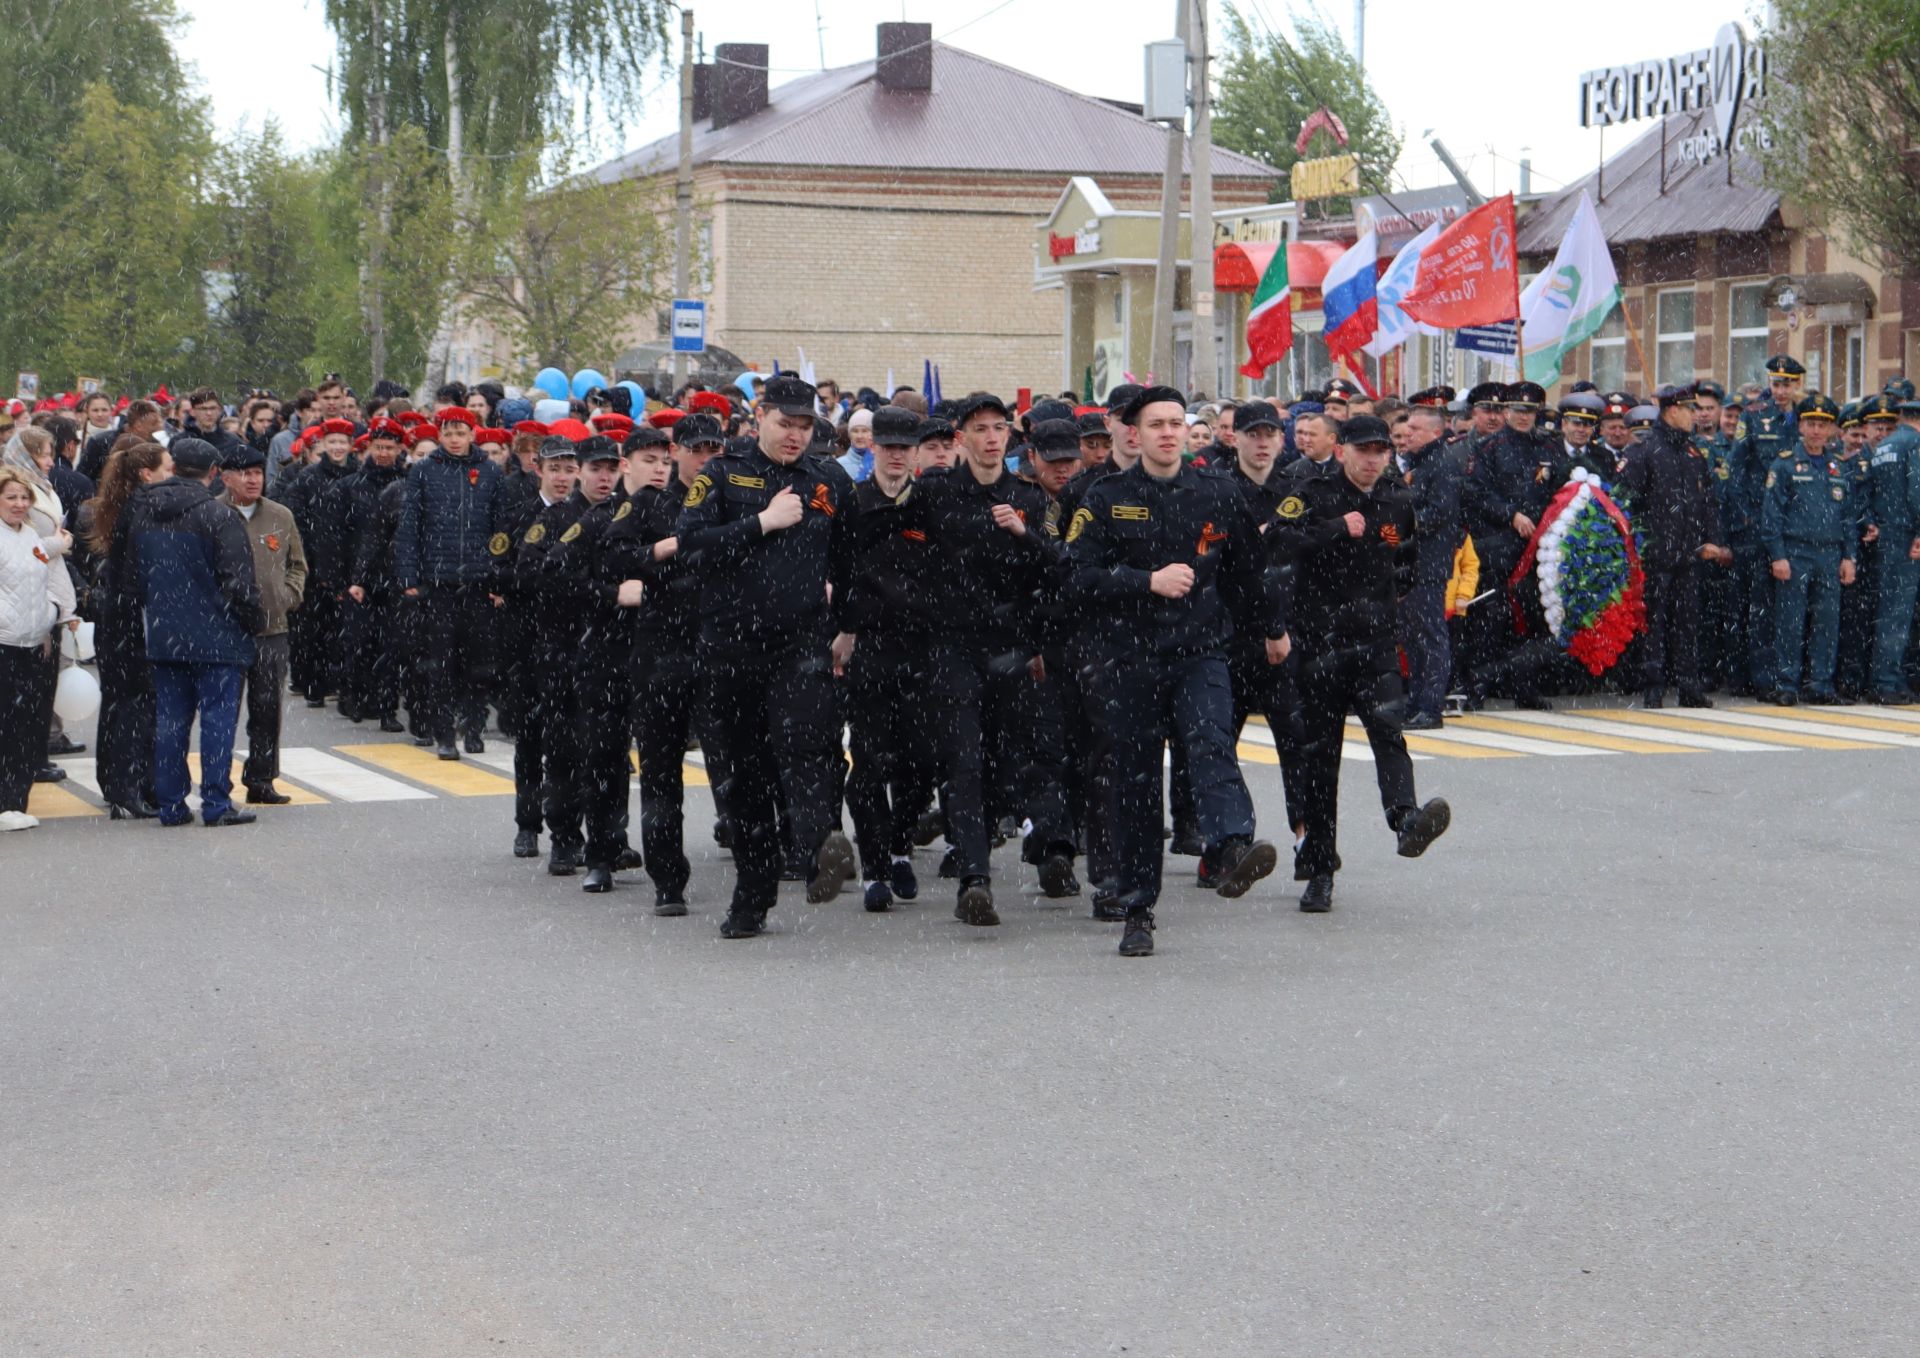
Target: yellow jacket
(1466,577)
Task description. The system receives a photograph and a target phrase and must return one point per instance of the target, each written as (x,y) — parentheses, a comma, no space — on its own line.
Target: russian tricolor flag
(1347,298)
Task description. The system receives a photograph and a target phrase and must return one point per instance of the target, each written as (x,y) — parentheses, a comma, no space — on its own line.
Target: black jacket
(891,599)
(576,578)
(985,581)
(451,528)
(553,620)
(1132,524)
(1511,473)
(353,509)
(669,620)
(317,512)
(1669,495)
(1436,478)
(1345,588)
(192,569)
(766,593)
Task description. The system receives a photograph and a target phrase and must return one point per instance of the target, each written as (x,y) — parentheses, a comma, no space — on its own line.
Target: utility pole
(1161,358)
(1206,376)
(683,185)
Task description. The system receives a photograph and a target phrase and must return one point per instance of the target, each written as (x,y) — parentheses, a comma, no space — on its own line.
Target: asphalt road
(1624,1066)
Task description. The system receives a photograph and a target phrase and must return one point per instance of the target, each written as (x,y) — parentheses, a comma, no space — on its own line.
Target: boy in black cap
(766,532)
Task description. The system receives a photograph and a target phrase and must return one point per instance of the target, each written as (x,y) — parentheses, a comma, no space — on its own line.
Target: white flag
(1396,327)
(1567,304)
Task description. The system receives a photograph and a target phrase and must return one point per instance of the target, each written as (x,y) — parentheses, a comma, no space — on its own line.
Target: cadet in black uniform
(545,756)
(1168,560)
(892,612)
(766,532)
(1352,540)
(370,680)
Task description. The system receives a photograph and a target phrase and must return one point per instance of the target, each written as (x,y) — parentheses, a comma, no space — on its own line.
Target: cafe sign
(1085,241)
(1721,78)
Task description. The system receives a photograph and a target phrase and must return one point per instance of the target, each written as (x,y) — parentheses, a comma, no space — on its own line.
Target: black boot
(561,862)
(669,901)
(599,879)
(628,860)
(266,794)
(1137,940)
(1654,699)
(1421,826)
(1108,908)
(526,844)
(392,725)
(1242,863)
(446,749)
(975,905)
(743,923)
(1317,899)
(1056,876)
(832,867)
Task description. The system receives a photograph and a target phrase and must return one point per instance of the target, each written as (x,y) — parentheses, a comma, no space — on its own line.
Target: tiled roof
(979,115)
(1697,198)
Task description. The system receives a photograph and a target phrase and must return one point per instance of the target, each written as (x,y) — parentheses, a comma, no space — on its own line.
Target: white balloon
(76,696)
(83,639)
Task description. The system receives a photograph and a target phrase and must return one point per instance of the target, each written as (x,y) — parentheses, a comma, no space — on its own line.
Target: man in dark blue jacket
(449,552)
(194,569)
(1434,473)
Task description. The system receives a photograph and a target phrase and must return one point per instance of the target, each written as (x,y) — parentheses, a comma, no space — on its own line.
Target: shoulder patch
(750,482)
(498,544)
(1290,508)
(573,531)
(626,508)
(536,534)
(1785,452)
(1131,513)
(1078,524)
(698,491)
(1770,480)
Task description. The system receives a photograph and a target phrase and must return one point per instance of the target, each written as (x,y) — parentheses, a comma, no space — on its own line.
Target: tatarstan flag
(1270,321)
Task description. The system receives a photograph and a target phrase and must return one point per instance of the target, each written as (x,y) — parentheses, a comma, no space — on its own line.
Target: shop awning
(1237,265)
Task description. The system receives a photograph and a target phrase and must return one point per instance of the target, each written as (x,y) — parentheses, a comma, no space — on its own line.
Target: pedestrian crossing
(381,771)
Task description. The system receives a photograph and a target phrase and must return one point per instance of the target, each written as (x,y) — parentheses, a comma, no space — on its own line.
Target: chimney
(739,81)
(702,90)
(906,57)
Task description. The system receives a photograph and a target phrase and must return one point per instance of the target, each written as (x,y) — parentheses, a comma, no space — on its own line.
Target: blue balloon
(585,381)
(745,382)
(637,392)
(553,382)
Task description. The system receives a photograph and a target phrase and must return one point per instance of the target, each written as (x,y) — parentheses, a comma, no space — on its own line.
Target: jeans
(179,691)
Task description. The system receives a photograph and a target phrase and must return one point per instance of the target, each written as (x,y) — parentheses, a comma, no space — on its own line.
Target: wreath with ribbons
(1592,588)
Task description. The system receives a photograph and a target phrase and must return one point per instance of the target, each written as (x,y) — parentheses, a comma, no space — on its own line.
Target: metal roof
(979,115)
(1697,198)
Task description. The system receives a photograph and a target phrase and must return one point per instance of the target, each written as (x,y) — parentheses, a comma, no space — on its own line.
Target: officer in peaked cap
(1899,388)
(1857,603)
(1580,415)
(1809,526)
(1895,464)
(765,533)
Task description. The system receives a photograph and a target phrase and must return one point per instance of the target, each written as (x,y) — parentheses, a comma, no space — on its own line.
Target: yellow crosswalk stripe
(1516,727)
(1455,750)
(1251,752)
(50,801)
(1768,734)
(458,777)
(300,795)
(1826,716)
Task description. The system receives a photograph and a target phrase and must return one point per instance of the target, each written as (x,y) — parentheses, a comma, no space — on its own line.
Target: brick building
(881,214)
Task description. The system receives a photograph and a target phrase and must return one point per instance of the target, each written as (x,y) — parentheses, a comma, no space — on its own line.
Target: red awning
(1237,265)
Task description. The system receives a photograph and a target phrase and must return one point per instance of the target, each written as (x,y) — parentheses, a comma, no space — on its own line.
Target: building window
(1849,362)
(1746,333)
(1610,352)
(1673,351)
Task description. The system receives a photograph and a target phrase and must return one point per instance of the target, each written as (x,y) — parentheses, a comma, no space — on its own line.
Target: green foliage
(560,270)
(1270,83)
(1843,110)
(110,282)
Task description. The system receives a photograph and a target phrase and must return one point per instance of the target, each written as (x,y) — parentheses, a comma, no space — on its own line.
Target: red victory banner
(1469,274)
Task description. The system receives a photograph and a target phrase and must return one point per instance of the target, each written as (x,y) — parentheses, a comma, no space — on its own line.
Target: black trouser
(893,757)
(372,670)
(266,682)
(1671,646)
(26,702)
(773,714)
(1269,691)
(666,698)
(454,656)
(1096,765)
(543,679)
(1364,679)
(1856,624)
(320,609)
(603,710)
(1141,703)
(562,786)
(983,702)
(1507,633)
(123,742)
(513,634)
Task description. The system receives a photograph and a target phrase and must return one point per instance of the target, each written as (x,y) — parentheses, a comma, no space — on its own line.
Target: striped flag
(1349,300)
(1270,319)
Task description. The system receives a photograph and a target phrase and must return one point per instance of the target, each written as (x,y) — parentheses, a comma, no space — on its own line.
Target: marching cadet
(937,450)
(316,649)
(1169,560)
(544,755)
(1096,444)
(369,680)
(1854,653)
(1511,478)
(1353,542)
(1808,525)
(642,550)
(573,578)
(522,498)
(1669,492)
(766,532)
(987,526)
(891,615)
(1894,466)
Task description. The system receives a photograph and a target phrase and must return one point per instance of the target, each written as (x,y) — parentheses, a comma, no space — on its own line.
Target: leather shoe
(130,811)
(1056,877)
(266,794)
(1108,908)
(446,750)
(1534,703)
(1654,699)
(1242,863)
(1137,940)
(475,745)
(560,863)
(64,746)
(1695,700)
(743,923)
(628,860)
(392,725)
(51,773)
(1423,721)
(526,844)
(232,816)
(671,904)
(975,905)
(832,867)
(1317,899)
(1422,826)
(598,880)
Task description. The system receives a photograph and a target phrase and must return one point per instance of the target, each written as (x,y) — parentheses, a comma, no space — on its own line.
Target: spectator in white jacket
(28,615)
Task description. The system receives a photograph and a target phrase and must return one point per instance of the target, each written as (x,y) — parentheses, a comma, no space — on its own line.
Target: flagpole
(1633,336)
(1519,350)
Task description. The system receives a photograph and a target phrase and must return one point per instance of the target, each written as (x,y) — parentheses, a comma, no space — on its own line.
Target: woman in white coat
(29,612)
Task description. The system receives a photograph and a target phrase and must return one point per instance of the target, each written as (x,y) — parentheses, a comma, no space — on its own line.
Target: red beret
(713,401)
(667,418)
(571,430)
(531,427)
(360,444)
(337,427)
(1078,411)
(456,415)
(492,435)
(410,418)
(305,441)
(384,428)
(612,423)
(420,433)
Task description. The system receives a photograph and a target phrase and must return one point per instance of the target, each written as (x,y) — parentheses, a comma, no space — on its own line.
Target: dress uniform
(1723,602)
(369,684)
(1354,547)
(1669,493)
(1168,561)
(546,757)
(1580,415)
(1894,466)
(1808,526)
(1770,429)
(892,610)
(1855,649)
(767,532)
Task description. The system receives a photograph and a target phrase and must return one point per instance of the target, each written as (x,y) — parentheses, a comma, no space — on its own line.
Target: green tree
(568,267)
(1270,83)
(114,278)
(1843,113)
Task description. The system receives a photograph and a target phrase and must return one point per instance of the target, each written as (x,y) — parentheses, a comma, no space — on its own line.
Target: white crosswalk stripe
(1754,721)
(1652,734)
(344,780)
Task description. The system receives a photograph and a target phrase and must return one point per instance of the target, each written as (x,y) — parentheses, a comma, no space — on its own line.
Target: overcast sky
(1496,83)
